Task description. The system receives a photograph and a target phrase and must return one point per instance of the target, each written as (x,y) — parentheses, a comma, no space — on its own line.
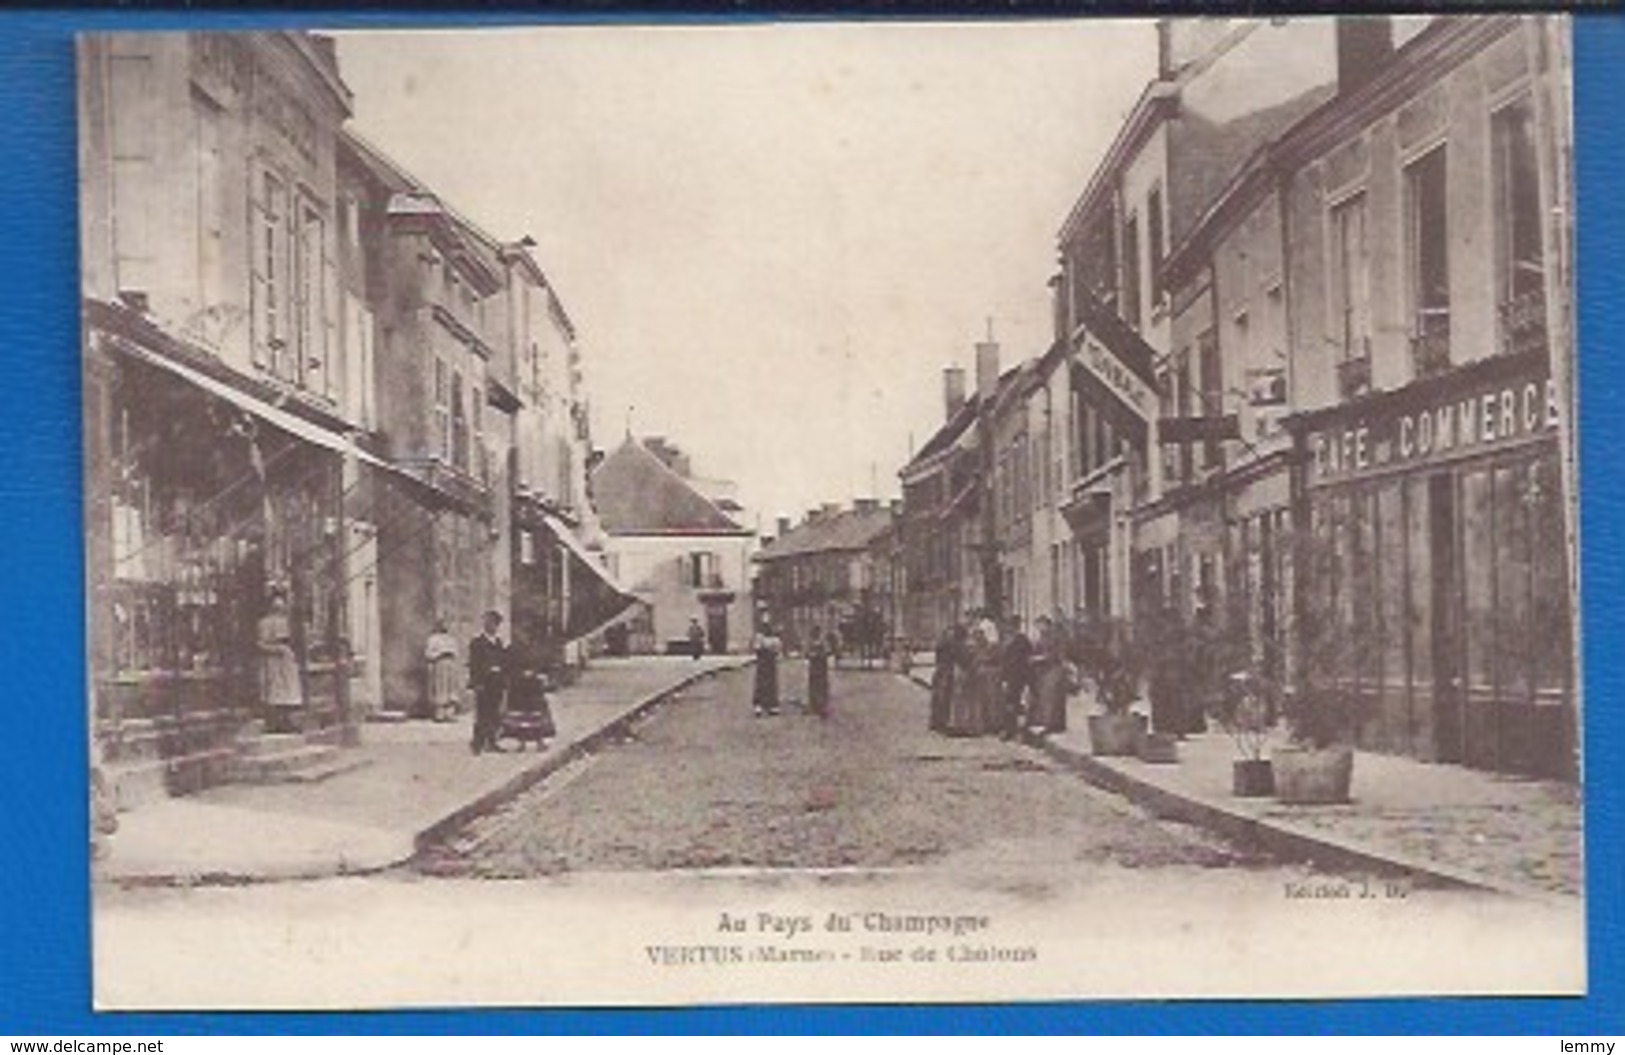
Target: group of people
(993,681)
(500,682)
(769,648)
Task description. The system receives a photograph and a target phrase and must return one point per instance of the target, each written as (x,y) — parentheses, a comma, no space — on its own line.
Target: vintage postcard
(716,514)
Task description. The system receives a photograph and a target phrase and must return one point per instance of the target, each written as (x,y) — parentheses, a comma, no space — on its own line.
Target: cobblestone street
(590,885)
(703,784)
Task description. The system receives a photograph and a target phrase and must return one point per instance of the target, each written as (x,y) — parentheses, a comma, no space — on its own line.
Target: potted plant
(1317,767)
(1104,652)
(1244,711)
(1324,707)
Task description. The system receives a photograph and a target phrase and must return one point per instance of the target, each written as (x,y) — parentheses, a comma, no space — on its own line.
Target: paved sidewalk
(420,779)
(1433,820)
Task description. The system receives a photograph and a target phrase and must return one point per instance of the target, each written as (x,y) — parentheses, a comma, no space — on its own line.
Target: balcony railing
(1523,322)
(1430,344)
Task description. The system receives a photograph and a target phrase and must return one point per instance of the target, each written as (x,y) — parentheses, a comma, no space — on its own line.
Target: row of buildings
(305,375)
(1319,288)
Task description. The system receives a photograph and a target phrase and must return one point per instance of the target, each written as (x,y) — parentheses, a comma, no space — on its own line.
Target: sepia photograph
(831,512)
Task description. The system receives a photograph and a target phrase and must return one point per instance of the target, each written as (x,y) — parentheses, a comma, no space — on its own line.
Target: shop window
(1393,585)
(1515,634)
(1351,296)
(1550,605)
(1478,571)
(1427,231)
(1520,261)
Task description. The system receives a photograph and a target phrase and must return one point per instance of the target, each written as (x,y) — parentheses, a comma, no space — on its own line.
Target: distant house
(824,572)
(677,549)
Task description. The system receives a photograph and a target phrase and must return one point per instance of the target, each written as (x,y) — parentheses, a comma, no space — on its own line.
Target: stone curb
(554,761)
(409,847)
(1279,838)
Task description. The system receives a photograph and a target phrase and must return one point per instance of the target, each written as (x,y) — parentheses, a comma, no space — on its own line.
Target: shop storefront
(1434,528)
(201,510)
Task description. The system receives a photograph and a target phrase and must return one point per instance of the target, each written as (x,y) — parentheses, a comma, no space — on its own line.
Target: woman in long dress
(280,689)
(440,653)
(765,698)
(971,711)
(818,674)
(1048,712)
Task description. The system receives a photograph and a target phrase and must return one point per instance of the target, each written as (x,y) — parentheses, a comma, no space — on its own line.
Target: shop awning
(288,422)
(586,556)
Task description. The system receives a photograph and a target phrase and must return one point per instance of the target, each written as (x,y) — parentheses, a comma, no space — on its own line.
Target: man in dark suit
(1015,662)
(488,677)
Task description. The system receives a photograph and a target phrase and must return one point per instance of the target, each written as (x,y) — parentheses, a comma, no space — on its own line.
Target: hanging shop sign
(1198,430)
(1448,422)
(1118,378)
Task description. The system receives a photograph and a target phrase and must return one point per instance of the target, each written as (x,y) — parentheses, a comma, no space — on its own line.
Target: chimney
(897,507)
(1165,48)
(987,366)
(814,515)
(783,526)
(953,390)
(1365,44)
(865,505)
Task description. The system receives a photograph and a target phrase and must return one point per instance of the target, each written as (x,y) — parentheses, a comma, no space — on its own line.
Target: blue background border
(44,901)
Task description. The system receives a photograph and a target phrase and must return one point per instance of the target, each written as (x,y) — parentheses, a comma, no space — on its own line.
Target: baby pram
(528,718)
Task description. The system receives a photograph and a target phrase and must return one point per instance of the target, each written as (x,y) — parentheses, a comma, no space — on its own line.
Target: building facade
(1313,346)
(222,426)
(306,377)
(832,572)
(1431,295)
(674,549)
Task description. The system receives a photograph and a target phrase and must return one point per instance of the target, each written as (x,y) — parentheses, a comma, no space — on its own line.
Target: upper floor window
(294,324)
(1154,238)
(1130,306)
(1520,257)
(134,130)
(700,571)
(479,463)
(459,422)
(269,260)
(442,409)
(1351,295)
(311,272)
(1427,233)
(1207,350)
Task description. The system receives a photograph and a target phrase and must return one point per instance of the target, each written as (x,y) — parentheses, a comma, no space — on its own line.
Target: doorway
(716,628)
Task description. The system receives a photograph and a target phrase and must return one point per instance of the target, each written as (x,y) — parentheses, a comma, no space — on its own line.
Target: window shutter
(327,341)
(259,293)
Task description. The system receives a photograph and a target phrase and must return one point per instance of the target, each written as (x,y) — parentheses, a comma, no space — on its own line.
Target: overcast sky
(771,238)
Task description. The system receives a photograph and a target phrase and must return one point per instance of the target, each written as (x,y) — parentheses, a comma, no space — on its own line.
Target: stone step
(134,784)
(266,745)
(305,764)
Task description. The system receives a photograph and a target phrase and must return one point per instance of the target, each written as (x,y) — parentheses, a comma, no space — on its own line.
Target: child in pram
(529,717)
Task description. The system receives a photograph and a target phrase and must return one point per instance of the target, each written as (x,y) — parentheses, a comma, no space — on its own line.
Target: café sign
(1454,425)
(1116,375)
